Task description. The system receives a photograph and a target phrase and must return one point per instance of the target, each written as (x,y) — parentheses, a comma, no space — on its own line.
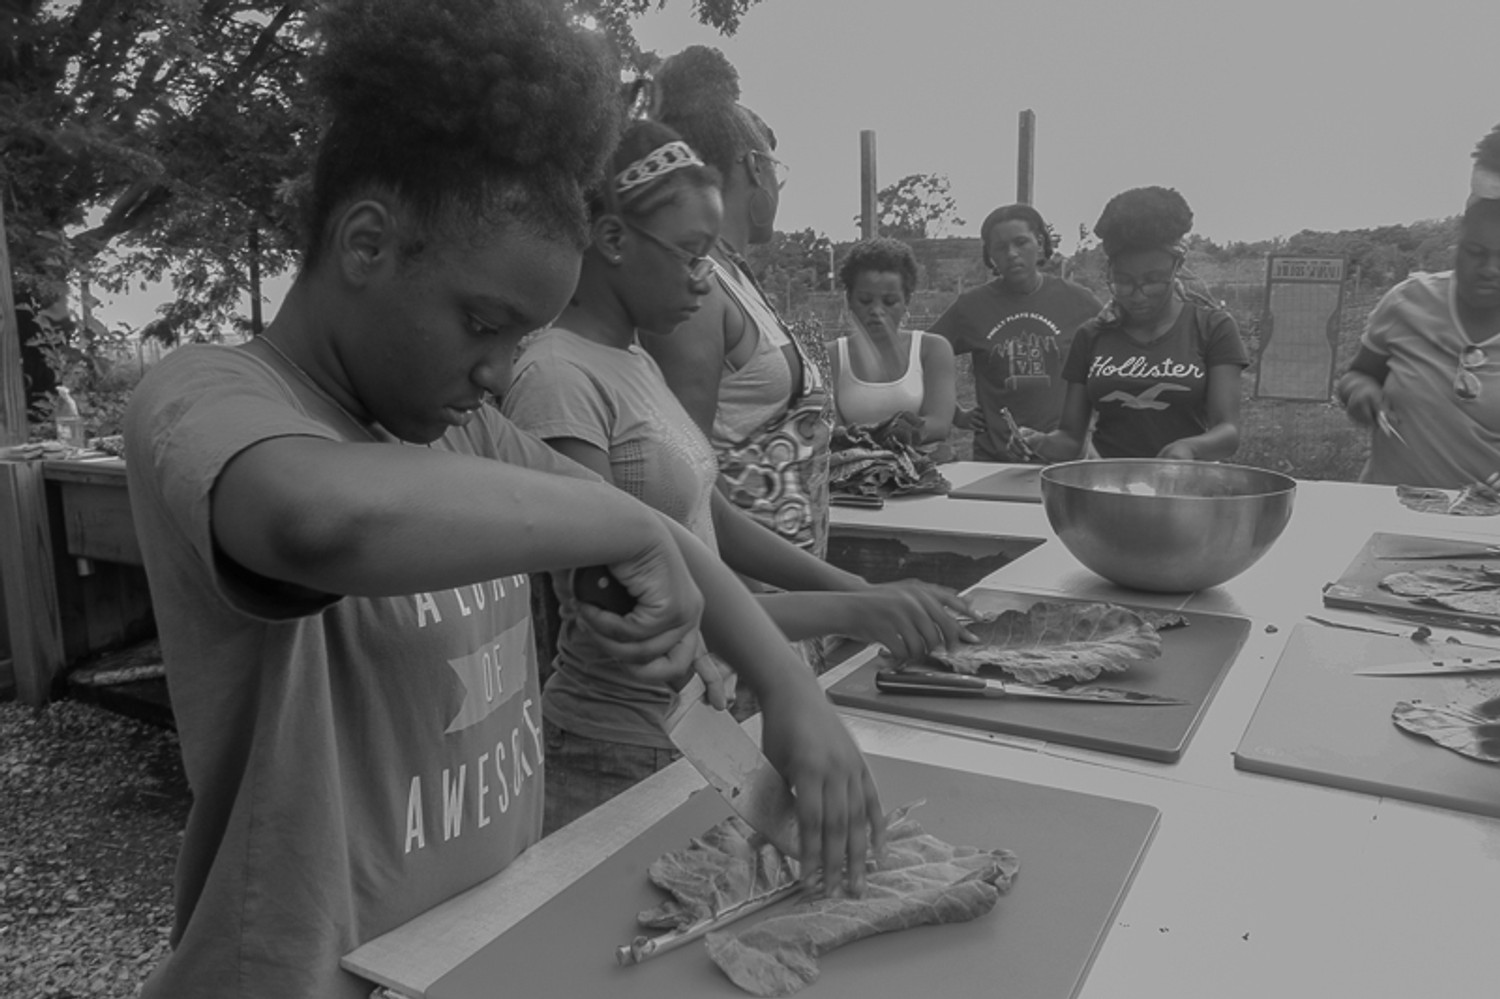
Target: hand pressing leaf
(1056,640)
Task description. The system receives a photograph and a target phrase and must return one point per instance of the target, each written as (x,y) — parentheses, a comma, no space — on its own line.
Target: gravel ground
(92,807)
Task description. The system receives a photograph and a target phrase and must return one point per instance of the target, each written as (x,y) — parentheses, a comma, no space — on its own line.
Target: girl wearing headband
(1158,372)
(587,388)
(1426,379)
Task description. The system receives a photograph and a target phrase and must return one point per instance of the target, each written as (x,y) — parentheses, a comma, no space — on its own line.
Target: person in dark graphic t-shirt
(1159,370)
(1017,330)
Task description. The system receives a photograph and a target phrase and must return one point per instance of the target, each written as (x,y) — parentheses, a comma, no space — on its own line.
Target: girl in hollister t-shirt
(1159,371)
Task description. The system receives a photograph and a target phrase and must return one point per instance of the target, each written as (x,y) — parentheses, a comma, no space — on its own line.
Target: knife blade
(723,752)
(1491,552)
(1452,666)
(893,680)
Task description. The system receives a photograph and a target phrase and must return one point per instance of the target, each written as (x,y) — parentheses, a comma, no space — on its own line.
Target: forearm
(1057,445)
(381,520)
(738,629)
(755,551)
(1216,443)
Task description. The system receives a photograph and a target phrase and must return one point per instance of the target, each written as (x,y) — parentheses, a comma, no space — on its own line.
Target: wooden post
(1026,157)
(12,382)
(869,202)
(30,633)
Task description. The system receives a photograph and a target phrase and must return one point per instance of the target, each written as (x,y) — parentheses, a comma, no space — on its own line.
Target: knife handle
(596,585)
(895,681)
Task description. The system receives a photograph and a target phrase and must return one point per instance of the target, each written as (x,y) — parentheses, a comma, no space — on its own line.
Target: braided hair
(467,114)
(1144,218)
(700,93)
(1015,213)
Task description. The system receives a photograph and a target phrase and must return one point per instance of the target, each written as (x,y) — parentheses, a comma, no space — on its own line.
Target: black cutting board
(1078,854)
(1192,663)
(1359,586)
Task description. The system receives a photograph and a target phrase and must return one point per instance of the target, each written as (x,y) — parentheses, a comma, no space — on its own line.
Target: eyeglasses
(698,267)
(1123,286)
(779,170)
(1466,384)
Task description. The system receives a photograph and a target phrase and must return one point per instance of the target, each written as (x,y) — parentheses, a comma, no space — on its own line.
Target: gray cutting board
(1078,854)
(1359,586)
(1318,722)
(1013,483)
(1192,663)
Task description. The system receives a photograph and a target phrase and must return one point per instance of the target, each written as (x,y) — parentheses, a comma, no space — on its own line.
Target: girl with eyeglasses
(744,376)
(1426,379)
(587,388)
(1158,372)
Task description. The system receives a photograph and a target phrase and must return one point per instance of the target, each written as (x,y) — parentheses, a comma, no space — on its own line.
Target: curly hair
(882,255)
(1015,213)
(470,114)
(641,137)
(700,93)
(1487,152)
(1143,218)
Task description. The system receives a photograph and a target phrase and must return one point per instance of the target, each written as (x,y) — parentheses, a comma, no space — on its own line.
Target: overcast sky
(1269,116)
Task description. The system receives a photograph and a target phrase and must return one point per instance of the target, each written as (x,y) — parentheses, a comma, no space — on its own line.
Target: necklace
(321,392)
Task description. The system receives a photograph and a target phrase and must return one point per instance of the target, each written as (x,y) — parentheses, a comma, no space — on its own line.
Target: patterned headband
(659,162)
(1484,185)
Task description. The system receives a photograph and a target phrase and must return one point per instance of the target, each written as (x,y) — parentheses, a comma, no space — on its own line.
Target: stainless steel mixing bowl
(1166,526)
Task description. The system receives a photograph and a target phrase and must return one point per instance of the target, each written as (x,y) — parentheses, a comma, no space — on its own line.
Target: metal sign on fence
(1300,327)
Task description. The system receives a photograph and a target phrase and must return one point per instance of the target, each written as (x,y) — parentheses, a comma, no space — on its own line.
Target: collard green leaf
(1054,640)
(1470,729)
(1474,589)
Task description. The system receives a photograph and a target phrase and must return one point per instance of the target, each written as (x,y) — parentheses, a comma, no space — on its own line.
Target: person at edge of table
(338,532)
(880,370)
(743,375)
(587,388)
(1017,329)
(1158,372)
(1429,359)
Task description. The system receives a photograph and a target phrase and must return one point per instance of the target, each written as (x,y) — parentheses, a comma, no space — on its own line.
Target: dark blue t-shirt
(1148,395)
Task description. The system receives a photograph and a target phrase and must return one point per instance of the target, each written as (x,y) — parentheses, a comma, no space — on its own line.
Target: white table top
(1254,886)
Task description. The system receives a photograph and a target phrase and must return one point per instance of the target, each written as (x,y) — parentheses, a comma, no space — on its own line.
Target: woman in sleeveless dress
(742,375)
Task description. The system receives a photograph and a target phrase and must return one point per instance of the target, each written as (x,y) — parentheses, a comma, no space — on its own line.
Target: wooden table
(73,578)
(1254,886)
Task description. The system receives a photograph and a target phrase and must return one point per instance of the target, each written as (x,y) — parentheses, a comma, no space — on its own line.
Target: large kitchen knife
(892,680)
(1452,666)
(722,751)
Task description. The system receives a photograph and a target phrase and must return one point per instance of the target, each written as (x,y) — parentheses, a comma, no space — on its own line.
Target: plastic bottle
(65,415)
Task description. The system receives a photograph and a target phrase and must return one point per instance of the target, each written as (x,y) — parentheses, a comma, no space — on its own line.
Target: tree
(918,206)
(794,263)
(187,124)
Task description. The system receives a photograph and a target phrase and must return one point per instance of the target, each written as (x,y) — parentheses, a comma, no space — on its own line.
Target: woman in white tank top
(881,370)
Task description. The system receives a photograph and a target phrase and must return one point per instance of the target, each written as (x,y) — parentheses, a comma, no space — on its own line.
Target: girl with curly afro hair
(745,377)
(345,616)
(1426,380)
(1157,375)
(587,389)
(882,372)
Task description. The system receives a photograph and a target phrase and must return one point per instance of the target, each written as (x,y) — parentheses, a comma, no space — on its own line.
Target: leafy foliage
(918,206)
(188,125)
